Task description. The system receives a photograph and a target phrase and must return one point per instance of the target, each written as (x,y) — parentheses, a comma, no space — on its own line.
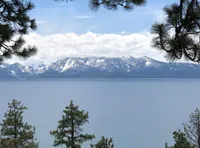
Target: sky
(72,29)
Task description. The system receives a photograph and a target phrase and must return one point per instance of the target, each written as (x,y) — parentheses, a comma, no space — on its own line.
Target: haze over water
(136,113)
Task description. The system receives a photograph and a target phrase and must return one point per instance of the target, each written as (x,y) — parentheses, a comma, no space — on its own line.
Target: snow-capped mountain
(102,67)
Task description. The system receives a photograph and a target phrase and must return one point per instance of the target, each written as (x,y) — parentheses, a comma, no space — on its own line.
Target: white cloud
(40,22)
(83,17)
(125,33)
(56,46)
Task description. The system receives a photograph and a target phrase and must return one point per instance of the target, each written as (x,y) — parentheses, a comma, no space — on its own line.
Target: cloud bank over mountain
(56,46)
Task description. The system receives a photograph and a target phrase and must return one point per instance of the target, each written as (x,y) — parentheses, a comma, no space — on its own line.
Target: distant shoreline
(94,79)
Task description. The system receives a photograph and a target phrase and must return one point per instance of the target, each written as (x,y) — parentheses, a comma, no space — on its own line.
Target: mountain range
(102,67)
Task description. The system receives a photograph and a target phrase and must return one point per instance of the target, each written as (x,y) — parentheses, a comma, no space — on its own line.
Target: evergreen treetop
(69,131)
(14,132)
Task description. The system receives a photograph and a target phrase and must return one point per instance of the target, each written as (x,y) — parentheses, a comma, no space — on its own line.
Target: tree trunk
(15,133)
(72,132)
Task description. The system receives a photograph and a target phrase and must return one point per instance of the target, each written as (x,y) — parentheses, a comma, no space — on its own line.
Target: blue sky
(72,29)
(62,17)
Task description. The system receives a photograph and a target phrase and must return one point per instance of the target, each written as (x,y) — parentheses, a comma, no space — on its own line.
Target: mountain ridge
(102,67)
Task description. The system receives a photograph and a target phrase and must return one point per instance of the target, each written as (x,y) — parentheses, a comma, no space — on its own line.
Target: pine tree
(179,34)
(181,140)
(14,132)
(104,143)
(69,130)
(14,23)
(113,4)
(192,128)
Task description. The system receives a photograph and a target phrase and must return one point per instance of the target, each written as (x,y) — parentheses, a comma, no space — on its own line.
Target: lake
(136,113)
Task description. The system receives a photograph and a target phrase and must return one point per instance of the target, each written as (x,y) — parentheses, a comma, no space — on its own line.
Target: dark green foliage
(191,136)
(179,34)
(69,131)
(181,141)
(104,143)
(192,128)
(14,23)
(14,133)
(113,4)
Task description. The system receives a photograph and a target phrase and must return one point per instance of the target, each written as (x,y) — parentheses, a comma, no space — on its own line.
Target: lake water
(136,113)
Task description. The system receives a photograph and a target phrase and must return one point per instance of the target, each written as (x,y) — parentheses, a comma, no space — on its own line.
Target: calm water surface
(136,113)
